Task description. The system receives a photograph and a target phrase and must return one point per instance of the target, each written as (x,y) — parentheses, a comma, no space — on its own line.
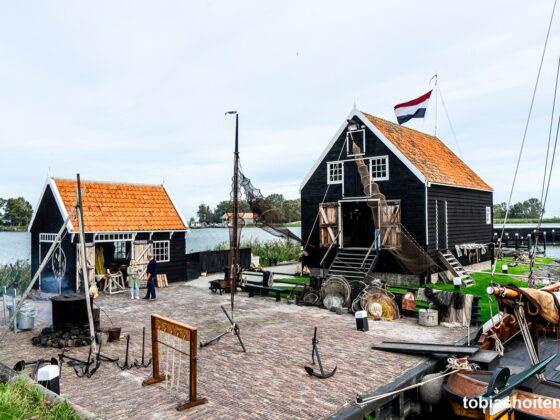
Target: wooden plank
(425,348)
(326,221)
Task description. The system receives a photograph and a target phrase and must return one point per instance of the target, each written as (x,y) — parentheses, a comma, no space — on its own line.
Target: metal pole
(84,263)
(37,274)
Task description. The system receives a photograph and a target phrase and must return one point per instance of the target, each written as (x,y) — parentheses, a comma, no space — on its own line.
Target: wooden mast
(233,249)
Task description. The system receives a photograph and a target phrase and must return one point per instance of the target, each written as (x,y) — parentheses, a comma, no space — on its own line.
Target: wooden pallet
(161,280)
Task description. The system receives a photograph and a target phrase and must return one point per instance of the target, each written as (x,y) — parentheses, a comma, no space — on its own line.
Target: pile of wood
(161,280)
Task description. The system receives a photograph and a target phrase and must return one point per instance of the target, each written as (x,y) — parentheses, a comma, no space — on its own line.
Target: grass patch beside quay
(20,400)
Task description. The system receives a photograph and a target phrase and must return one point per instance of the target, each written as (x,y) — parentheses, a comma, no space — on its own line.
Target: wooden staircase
(353,264)
(455,267)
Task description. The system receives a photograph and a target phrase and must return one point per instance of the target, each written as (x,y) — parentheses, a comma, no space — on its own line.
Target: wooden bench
(252,289)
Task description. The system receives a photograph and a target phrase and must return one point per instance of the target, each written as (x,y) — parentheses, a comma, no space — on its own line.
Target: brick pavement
(267,382)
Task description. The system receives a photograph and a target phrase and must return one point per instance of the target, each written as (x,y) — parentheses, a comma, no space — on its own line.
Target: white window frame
(384,178)
(158,252)
(488,215)
(329,166)
(113,237)
(47,237)
(348,138)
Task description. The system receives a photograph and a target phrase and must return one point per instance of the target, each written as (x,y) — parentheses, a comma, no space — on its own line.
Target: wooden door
(390,224)
(90,264)
(441,224)
(140,250)
(328,224)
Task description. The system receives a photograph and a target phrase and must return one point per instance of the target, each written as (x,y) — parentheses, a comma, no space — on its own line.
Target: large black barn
(121,222)
(440,201)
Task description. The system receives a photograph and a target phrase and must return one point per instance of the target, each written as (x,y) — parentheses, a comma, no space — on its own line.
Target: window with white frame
(488,215)
(161,251)
(358,137)
(334,172)
(120,250)
(379,168)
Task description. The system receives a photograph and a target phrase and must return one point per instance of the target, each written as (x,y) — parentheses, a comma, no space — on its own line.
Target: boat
(497,394)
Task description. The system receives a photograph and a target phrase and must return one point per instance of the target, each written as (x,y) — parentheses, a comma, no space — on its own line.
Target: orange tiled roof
(112,206)
(429,155)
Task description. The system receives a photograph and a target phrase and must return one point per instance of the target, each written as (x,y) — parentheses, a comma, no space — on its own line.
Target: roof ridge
(401,126)
(107,182)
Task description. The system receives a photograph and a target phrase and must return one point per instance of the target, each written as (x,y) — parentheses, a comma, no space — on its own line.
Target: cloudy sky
(136,91)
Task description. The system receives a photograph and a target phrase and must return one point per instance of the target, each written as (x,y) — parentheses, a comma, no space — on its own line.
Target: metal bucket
(428,317)
(114,334)
(102,337)
(25,319)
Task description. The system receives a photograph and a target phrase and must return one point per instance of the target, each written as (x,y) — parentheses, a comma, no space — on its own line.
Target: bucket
(25,319)
(428,317)
(49,377)
(102,337)
(362,321)
(115,334)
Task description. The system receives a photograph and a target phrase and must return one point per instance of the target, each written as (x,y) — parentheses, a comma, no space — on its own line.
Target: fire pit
(69,311)
(70,323)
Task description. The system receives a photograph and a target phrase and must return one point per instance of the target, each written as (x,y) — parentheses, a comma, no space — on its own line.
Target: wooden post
(84,263)
(155,356)
(517,241)
(38,273)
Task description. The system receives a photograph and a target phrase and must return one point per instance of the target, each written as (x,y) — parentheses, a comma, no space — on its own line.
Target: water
(17,245)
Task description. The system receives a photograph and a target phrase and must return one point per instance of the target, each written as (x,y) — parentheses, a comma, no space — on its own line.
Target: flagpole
(435,88)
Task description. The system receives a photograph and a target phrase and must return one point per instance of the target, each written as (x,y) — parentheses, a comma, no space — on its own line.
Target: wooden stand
(183,332)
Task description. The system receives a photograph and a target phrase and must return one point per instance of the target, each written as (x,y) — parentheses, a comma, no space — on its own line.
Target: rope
(543,194)
(453,364)
(498,346)
(524,138)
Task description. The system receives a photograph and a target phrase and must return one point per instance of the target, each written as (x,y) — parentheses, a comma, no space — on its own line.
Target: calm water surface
(16,245)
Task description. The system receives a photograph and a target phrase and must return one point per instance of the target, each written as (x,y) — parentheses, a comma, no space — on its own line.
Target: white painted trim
(47,237)
(60,203)
(164,185)
(437,225)
(49,182)
(375,130)
(386,177)
(459,186)
(329,182)
(113,237)
(446,228)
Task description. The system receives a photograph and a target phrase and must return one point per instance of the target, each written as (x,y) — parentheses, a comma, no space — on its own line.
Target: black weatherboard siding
(402,185)
(466,217)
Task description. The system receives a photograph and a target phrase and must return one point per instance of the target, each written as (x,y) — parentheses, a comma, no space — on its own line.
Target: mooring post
(553,236)
(507,239)
(544,240)
(529,242)
(4,305)
(517,241)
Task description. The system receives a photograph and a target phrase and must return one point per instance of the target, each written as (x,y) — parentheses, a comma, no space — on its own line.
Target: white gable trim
(164,185)
(374,130)
(60,204)
(460,186)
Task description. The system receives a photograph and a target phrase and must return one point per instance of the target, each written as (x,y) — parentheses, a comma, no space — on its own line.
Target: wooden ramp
(457,270)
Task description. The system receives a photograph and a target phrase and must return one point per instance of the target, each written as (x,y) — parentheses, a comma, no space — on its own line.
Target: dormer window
(358,137)
(335,172)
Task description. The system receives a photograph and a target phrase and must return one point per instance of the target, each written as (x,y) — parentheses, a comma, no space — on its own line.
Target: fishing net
(393,237)
(263,213)
(336,292)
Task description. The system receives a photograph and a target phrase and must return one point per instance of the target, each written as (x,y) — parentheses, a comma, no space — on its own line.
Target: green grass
(21,400)
(482,281)
(282,249)
(303,280)
(551,220)
(13,228)
(20,270)
(293,224)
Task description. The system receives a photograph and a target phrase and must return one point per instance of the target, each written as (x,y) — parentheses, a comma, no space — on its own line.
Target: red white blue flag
(412,109)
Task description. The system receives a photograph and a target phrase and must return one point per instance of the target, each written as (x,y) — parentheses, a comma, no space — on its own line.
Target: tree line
(15,212)
(528,209)
(288,210)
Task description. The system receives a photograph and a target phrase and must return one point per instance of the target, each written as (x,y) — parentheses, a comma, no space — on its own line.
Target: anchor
(126,366)
(314,352)
(136,363)
(233,328)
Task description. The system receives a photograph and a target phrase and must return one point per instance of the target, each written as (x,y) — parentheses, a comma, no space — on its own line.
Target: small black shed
(122,221)
(444,205)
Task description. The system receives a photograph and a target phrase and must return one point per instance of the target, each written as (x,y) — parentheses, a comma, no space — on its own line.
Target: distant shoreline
(13,228)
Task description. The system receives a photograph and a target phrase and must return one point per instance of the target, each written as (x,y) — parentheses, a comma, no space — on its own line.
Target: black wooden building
(122,221)
(442,203)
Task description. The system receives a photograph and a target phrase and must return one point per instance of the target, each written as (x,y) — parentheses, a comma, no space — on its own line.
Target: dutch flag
(412,109)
